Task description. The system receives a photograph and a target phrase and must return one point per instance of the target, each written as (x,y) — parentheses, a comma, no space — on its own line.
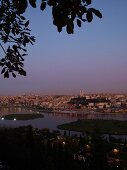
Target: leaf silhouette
(27,23)
(43,6)
(3,70)
(13,74)
(21,6)
(6,74)
(88,2)
(78,22)
(89,16)
(96,12)
(33,3)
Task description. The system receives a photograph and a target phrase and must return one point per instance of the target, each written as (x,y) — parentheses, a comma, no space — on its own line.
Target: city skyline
(93,59)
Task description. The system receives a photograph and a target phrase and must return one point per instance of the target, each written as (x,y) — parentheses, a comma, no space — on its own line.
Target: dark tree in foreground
(15,34)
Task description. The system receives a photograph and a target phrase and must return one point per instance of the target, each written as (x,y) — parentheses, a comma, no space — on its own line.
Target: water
(106,116)
(51,120)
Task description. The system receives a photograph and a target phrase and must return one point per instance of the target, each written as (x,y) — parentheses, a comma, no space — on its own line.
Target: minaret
(81,93)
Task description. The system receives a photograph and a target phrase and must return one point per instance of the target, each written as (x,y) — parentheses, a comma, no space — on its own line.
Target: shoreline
(83,112)
(73,112)
(22,116)
(113,127)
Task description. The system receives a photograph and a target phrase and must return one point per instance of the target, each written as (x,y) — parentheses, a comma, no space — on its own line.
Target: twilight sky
(93,59)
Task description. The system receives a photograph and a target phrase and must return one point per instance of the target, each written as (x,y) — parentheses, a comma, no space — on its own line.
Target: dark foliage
(22,149)
(25,148)
(15,33)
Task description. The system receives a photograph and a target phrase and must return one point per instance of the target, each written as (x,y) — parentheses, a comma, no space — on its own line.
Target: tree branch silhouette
(14,31)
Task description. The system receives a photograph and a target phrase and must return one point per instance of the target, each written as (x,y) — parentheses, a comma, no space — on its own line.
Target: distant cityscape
(65,129)
(104,103)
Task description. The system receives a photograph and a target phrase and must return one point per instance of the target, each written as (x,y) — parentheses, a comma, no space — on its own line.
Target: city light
(88,146)
(64,143)
(116,150)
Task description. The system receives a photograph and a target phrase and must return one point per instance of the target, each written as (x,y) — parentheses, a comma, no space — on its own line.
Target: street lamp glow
(64,143)
(2,118)
(88,146)
(14,119)
(116,150)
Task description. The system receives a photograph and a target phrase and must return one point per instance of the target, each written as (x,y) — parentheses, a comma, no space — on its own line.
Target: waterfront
(51,120)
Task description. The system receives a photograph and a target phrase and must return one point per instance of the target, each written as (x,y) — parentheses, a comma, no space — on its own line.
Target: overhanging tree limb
(15,33)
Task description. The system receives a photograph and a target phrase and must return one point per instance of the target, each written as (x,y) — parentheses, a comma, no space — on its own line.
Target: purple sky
(93,59)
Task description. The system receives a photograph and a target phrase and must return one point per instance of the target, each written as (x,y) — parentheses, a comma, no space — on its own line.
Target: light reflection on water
(51,120)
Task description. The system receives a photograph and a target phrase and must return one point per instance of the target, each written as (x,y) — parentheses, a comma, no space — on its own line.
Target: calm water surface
(51,120)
